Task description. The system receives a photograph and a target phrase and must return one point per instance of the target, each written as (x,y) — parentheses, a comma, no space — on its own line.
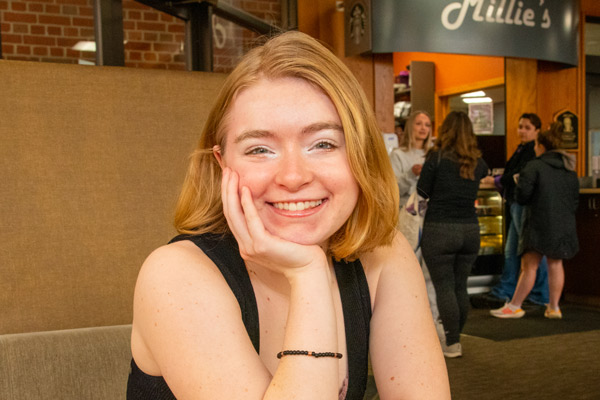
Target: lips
(297,206)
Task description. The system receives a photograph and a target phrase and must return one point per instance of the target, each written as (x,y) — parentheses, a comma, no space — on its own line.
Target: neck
(418,144)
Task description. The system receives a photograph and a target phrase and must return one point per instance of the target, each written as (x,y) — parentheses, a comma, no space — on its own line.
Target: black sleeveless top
(224,252)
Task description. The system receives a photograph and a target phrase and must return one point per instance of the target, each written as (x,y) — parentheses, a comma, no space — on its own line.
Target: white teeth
(300,206)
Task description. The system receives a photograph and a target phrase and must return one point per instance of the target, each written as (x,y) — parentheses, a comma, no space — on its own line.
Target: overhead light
(473,100)
(85,45)
(479,93)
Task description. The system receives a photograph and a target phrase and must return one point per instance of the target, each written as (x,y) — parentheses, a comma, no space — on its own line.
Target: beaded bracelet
(308,353)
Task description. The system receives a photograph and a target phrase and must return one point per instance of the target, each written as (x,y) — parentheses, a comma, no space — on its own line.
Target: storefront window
(63,32)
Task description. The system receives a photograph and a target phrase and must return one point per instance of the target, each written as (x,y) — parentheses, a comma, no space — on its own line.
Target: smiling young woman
(288,271)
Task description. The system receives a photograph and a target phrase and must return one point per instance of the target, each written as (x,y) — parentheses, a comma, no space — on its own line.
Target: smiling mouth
(297,206)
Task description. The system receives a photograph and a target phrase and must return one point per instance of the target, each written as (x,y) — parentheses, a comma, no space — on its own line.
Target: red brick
(135,55)
(20,28)
(167,18)
(73,53)
(35,7)
(5,27)
(75,2)
(176,28)
(133,35)
(18,6)
(83,22)
(54,30)
(7,48)
(87,33)
(164,57)
(70,10)
(52,9)
(151,26)
(86,11)
(54,20)
(165,37)
(38,30)
(40,51)
(23,50)
(161,47)
(39,40)
(57,51)
(138,46)
(151,16)
(12,38)
(19,17)
(3,5)
(70,32)
(150,56)
(128,25)
(134,14)
(150,36)
(66,42)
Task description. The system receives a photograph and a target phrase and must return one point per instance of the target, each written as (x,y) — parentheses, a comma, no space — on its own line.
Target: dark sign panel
(540,29)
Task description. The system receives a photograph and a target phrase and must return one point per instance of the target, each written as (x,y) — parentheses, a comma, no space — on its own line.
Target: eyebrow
(312,128)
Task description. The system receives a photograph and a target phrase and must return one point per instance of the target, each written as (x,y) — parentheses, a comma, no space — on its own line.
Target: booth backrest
(91,163)
(70,364)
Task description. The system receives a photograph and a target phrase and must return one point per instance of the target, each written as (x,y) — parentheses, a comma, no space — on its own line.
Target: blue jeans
(512,264)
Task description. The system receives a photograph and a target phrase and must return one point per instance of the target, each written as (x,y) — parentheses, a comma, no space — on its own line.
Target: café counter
(582,272)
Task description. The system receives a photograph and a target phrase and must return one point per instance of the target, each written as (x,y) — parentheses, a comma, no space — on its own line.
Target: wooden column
(521,96)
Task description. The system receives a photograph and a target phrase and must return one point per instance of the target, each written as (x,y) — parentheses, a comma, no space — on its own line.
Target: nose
(294,171)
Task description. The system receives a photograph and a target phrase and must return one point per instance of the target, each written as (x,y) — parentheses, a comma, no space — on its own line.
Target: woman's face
(421,128)
(285,140)
(527,132)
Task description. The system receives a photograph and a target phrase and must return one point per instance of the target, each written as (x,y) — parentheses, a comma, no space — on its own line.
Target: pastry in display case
(488,266)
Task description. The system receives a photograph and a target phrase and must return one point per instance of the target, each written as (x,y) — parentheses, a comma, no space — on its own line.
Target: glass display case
(488,266)
(491,221)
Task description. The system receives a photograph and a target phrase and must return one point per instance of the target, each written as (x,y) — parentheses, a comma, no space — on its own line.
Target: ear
(217,153)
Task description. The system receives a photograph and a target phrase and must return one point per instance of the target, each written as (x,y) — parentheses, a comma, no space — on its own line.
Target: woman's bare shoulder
(397,257)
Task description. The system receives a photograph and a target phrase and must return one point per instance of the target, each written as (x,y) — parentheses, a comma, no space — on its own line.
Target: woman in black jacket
(549,187)
(529,127)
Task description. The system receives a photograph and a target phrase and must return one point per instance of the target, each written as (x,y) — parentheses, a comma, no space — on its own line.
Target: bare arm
(406,175)
(405,351)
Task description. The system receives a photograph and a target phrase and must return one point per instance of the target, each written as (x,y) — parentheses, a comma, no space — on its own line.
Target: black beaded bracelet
(308,353)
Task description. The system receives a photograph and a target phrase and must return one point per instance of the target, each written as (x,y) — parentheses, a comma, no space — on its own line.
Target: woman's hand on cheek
(256,244)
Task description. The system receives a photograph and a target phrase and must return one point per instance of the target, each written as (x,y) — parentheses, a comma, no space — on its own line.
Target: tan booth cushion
(71,364)
(91,163)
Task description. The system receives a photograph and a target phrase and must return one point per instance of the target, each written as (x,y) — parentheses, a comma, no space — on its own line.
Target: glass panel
(231,41)
(152,39)
(47,31)
(63,31)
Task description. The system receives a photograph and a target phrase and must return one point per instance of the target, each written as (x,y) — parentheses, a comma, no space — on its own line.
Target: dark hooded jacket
(549,187)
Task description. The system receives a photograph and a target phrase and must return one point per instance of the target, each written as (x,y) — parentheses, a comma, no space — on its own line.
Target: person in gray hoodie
(549,188)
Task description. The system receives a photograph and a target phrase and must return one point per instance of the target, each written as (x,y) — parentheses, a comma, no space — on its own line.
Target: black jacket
(523,154)
(550,189)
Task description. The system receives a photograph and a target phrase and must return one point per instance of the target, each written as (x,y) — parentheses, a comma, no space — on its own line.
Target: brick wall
(46,30)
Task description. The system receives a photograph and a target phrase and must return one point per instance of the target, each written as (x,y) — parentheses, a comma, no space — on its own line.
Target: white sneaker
(452,351)
(506,312)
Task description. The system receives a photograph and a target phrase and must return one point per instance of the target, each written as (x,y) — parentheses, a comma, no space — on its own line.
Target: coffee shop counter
(582,272)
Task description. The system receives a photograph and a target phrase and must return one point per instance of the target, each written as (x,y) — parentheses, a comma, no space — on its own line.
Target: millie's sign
(541,29)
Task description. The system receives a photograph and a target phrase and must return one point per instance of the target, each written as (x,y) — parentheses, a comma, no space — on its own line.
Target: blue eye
(257,150)
(325,145)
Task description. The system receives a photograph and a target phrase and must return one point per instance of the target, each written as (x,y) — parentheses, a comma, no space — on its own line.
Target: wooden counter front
(582,272)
